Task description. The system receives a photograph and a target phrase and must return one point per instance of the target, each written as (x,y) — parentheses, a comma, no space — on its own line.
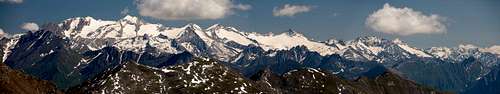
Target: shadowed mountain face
(15,82)
(488,84)
(193,77)
(102,56)
(201,76)
(314,81)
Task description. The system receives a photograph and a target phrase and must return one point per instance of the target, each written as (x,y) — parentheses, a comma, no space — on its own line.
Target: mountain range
(88,55)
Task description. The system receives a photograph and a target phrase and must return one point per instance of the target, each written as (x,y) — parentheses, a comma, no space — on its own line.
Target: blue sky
(466,21)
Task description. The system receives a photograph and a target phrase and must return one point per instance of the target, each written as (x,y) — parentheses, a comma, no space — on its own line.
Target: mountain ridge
(96,46)
(212,29)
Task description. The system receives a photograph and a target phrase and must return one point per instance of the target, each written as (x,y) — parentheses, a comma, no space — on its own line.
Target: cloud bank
(188,9)
(12,1)
(290,10)
(404,21)
(30,26)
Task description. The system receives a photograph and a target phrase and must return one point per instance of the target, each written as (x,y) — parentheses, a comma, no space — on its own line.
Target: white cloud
(495,49)
(12,1)
(30,26)
(404,21)
(290,10)
(188,9)
(242,7)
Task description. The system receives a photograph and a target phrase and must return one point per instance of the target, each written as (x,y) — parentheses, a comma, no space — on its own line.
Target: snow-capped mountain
(223,43)
(461,52)
(130,33)
(229,35)
(84,48)
(376,49)
(290,39)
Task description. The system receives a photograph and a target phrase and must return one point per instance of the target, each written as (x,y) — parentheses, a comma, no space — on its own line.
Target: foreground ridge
(200,76)
(13,81)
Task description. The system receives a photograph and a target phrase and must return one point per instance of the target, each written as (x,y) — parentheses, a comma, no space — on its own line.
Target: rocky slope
(200,76)
(197,76)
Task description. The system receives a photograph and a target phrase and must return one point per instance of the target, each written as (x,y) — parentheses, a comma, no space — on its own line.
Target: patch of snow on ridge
(173,33)
(91,25)
(440,52)
(167,70)
(410,49)
(45,54)
(130,18)
(7,48)
(467,46)
(194,28)
(495,49)
(376,50)
(149,29)
(230,34)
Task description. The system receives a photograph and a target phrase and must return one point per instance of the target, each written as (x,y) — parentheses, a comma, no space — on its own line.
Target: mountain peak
(219,26)
(88,18)
(441,52)
(331,41)
(215,26)
(397,41)
(373,38)
(293,33)
(130,18)
(192,26)
(467,46)
(369,39)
